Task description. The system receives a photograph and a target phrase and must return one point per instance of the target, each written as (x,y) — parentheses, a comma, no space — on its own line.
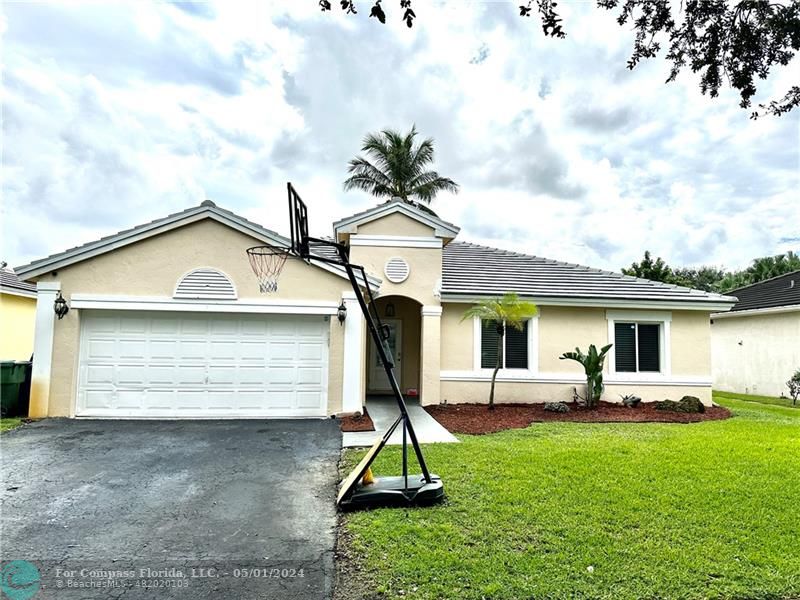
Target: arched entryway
(403,317)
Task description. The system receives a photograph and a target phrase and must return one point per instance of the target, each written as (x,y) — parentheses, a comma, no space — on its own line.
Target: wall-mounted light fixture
(60,306)
(341,313)
(389,310)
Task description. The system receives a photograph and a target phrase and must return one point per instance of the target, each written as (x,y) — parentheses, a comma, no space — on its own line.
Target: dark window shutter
(517,347)
(649,359)
(625,347)
(488,344)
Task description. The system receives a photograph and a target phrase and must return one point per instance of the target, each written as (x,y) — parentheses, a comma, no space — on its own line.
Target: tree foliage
(396,167)
(738,42)
(714,279)
(508,311)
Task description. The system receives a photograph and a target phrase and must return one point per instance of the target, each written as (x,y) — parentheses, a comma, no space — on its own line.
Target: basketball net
(267,263)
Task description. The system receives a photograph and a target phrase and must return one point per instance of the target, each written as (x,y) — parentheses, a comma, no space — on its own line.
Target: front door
(378,381)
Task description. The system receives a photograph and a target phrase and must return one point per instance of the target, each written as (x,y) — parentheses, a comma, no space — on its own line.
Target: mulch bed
(478,419)
(357,423)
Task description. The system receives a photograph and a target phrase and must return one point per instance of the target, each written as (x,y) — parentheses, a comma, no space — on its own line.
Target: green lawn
(10,423)
(721,396)
(568,510)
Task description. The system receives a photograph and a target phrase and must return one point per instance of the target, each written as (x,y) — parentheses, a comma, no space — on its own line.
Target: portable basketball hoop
(267,263)
(356,491)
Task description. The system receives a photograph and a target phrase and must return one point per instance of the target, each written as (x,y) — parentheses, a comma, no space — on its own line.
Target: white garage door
(202,365)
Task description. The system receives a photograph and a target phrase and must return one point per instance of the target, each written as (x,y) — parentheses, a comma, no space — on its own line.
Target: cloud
(115,114)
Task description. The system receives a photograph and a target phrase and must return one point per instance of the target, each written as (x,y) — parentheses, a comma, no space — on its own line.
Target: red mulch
(357,423)
(478,419)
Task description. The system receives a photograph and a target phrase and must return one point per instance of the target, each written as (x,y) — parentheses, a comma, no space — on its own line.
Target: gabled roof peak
(418,212)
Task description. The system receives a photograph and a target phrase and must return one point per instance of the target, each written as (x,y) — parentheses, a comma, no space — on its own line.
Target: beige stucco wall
(395,224)
(425,270)
(152,268)
(561,329)
(17,317)
(767,357)
(457,392)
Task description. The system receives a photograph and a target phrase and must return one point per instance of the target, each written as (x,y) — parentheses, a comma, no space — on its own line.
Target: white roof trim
(771,310)
(141,232)
(350,224)
(17,292)
(601,302)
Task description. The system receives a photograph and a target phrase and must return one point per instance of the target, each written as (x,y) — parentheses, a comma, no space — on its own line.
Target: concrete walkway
(384,411)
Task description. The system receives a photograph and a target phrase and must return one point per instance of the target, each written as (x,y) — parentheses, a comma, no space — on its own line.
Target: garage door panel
(309,351)
(309,375)
(159,400)
(202,365)
(165,349)
(189,349)
(129,399)
(100,374)
(222,375)
(160,375)
(100,348)
(132,375)
(133,325)
(308,400)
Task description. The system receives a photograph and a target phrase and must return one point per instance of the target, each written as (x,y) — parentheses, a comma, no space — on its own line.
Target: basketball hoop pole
(300,246)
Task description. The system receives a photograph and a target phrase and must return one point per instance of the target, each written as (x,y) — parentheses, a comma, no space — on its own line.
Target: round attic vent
(396,270)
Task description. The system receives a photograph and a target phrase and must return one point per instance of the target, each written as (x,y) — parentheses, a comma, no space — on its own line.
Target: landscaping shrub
(692,404)
(794,386)
(630,400)
(687,404)
(559,407)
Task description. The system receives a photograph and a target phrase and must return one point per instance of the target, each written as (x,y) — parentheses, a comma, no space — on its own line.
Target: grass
(571,510)
(10,423)
(720,396)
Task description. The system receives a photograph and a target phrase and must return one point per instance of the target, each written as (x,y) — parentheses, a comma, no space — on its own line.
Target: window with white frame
(516,346)
(641,342)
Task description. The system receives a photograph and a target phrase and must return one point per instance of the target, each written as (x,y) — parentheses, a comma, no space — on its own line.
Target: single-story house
(755,347)
(17,314)
(166,320)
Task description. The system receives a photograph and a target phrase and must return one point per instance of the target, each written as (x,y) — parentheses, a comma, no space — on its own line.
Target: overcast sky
(117,114)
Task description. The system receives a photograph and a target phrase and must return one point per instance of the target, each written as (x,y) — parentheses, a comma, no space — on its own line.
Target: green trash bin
(12,377)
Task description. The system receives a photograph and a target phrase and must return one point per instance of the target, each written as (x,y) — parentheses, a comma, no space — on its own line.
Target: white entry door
(378,381)
(137,364)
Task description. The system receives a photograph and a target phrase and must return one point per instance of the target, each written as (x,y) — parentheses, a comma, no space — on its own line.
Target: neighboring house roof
(780,291)
(11,284)
(207,209)
(470,270)
(427,217)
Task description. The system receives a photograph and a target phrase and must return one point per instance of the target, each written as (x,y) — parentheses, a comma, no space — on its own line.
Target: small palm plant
(396,167)
(508,311)
(592,363)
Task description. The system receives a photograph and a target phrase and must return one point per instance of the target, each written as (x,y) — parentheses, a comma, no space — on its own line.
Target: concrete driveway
(172,509)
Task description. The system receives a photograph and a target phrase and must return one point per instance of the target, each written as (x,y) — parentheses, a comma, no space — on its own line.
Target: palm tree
(395,167)
(508,311)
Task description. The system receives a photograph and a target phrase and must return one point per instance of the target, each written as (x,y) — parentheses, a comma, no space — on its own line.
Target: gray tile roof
(154,224)
(783,290)
(470,269)
(10,281)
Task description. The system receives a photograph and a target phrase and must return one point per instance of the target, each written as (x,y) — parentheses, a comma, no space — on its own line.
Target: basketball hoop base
(393,492)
